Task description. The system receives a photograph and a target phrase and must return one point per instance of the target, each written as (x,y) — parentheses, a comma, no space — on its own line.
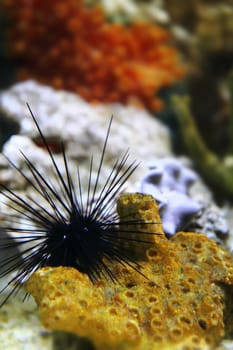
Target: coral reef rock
(21,329)
(212,221)
(186,302)
(82,127)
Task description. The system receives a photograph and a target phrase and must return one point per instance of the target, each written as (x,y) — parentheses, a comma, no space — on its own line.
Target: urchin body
(80,243)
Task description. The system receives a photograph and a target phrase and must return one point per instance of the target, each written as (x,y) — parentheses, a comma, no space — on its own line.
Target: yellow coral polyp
(180,305)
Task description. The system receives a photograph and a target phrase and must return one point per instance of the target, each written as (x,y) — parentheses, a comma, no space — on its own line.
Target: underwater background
(164,70)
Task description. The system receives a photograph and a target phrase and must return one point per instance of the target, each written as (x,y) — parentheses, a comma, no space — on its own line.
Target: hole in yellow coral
(198,245)
(172,254)
(126,201)
(184,287)
(151,284)
(83,303)
(183,245)
(167,286)
(113,311)
(193,304)
(229,265)
(132,328)
(226,256)
(156,323)
(202,324)
(130,285)
(191,280)
(125,271)
(157,338)
(152,253)
(217,299)
(197,248)
(115,333)
(134,312)
(185,320)
(209,340)
(175,333)
(99,326)
(214,249)
(155,311)
(195,340)
(148,217)
(214,315)
(217,258)
(193,259)
(214,318)
(81,318)
(94,294)
(153,299)
(174,303)
(129,294)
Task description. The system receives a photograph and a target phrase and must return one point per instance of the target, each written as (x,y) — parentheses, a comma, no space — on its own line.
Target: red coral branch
(72,47)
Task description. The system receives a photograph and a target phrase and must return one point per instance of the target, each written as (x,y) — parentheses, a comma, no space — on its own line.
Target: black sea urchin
(70,230)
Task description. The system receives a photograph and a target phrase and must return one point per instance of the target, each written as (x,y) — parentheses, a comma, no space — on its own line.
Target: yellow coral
(180,305)
(140,208)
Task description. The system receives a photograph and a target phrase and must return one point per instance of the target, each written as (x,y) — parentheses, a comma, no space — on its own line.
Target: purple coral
(169,182)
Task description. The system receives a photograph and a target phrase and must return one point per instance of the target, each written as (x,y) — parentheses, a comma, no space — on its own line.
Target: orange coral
(72,47)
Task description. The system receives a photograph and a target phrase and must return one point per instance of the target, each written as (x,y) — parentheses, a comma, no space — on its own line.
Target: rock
(82,127)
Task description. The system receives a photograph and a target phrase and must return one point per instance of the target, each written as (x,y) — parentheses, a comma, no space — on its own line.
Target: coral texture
(76,49)
(180,305)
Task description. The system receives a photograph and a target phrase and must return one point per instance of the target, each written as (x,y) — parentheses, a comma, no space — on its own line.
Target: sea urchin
(84,233)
